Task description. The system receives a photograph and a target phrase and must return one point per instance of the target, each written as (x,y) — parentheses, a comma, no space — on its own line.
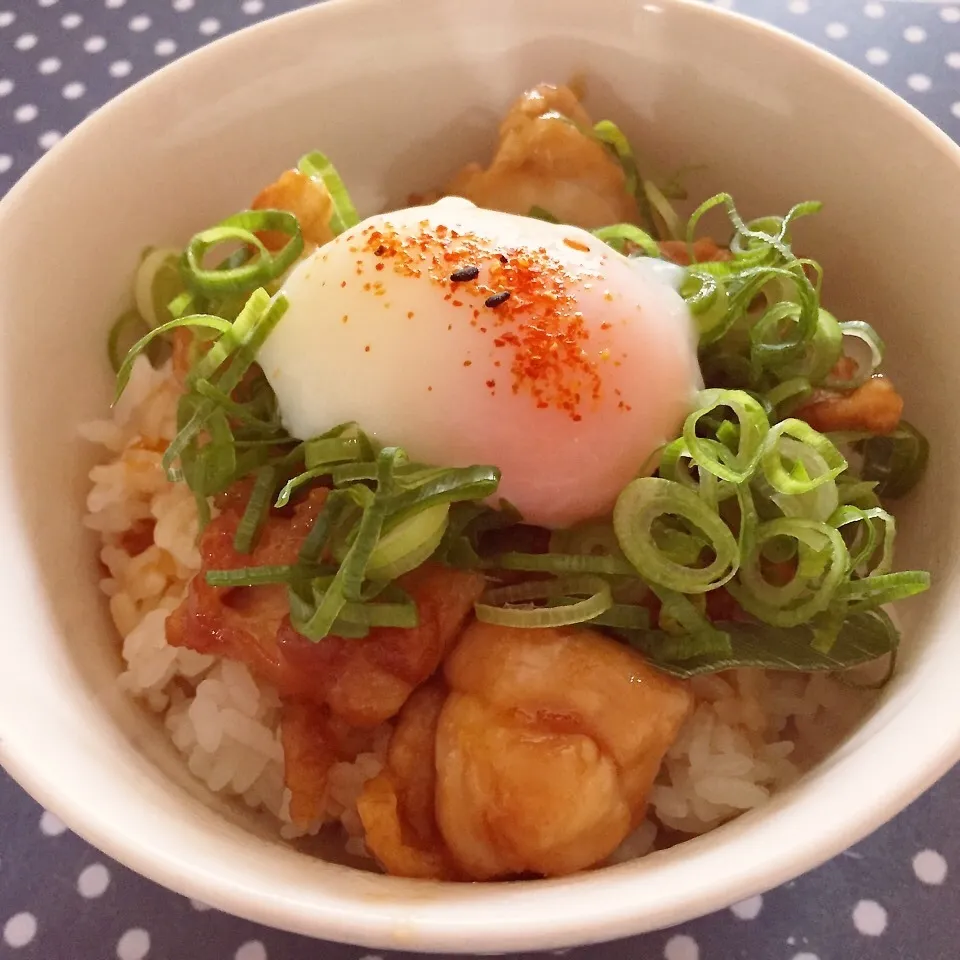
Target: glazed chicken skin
(547,158)
(397,807)
(545,749)
(362,681)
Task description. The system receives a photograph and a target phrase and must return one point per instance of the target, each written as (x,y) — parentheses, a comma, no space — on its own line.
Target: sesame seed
(502,297)
(465,274)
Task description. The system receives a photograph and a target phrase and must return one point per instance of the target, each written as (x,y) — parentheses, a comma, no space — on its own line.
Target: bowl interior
(400,95)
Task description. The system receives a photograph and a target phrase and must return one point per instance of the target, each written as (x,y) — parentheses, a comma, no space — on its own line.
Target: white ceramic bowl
(400,94)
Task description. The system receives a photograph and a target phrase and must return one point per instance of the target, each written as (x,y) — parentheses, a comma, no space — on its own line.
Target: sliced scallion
(318,167)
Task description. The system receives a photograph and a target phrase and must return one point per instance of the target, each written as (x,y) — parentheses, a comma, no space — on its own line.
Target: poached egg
(471,336)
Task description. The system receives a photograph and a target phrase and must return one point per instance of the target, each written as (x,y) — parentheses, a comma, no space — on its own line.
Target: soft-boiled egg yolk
(469,336)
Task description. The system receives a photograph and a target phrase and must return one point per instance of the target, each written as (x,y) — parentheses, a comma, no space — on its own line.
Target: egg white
(408,359)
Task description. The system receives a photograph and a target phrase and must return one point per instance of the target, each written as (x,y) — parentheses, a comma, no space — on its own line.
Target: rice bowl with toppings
(149,168)
(547,441)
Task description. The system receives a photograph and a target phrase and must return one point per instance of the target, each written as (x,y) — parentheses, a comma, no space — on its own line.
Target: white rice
(225,724)
(752,732)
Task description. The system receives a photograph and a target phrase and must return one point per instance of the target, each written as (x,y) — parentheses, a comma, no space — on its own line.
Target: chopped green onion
(822,350)
(688,633)
(226,345)
(398,610)
(123,374)
(789,394)
(714,456)
(707,299)
(608,133)
(620,234)
(864,636)
(283,498)
(454,484)
(334,507)
(408,544)
(329,450)
(663,208)
(318,167)
(255,513)
(156,284)
(621,616)
(800,443)
(823,563)
(265,575)
(644,501)
(859,333)
(876,591)
(895,462)
(123,327)
(256,272)
(864,546)
(498,605)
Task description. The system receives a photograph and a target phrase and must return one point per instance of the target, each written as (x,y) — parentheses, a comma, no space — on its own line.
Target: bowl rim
(472,921)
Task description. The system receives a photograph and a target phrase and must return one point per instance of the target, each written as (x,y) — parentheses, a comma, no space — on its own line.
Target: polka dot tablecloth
(892,896)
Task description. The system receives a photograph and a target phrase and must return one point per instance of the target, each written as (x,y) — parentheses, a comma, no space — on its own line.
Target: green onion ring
(493,605)
(644,500)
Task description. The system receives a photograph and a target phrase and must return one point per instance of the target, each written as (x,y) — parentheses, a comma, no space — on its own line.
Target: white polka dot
(252,7)
(806,956)
(930,867)
(26,113)
(798,6)
(114,4)
(182,5)
(133,945)
(950,14)
(95,44)
(139,23)
(874,10)
(6,162)
(914,34)
(869,918)
(49,139)
(209,26)
(7,17)
(877,56)
(681,947)
(837,31)
(49,65)
(165,47)
(252,950)
(70,21)
(93,881)
(120,68)
(748,909)
(47,3)
(19,930)
(6,87)
(955,109)
(74,91)
(200,905)
(26,41)
(919,82)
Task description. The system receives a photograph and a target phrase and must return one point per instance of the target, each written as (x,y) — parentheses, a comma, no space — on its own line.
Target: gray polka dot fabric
(893,896)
